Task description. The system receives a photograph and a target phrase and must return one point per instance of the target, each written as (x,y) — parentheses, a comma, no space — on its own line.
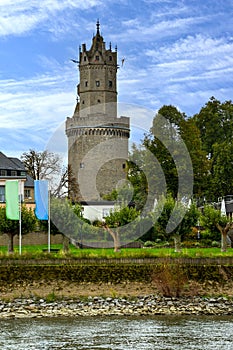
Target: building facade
(13,169)
(97,138)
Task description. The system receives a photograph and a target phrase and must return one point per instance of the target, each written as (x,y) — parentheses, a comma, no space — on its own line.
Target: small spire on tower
(98,27)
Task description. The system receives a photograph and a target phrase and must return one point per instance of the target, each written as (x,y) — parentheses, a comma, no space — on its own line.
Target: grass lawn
(38,251)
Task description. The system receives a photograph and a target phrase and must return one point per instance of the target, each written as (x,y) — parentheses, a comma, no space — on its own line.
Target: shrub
(215,244)
(149,244)
(171,280)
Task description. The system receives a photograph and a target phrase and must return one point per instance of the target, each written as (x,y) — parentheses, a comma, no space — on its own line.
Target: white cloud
(192,47)
(21,16)
(31,109)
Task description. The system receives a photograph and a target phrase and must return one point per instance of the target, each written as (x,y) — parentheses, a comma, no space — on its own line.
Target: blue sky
(176,52)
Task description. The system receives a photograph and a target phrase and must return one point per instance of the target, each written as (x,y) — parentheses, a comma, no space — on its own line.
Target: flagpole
(20,220)
(49,228)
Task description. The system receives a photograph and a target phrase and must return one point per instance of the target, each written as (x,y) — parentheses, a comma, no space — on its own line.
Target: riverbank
(62,299)
(99,306)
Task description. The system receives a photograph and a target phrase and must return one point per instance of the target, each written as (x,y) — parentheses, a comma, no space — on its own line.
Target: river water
(118,333)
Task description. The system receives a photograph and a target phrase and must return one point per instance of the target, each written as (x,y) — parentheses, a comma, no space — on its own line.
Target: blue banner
(41,192)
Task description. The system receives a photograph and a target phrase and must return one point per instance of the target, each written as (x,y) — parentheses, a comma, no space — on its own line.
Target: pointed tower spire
(98,27)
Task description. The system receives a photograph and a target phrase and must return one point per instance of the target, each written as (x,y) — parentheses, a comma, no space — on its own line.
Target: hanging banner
(41,192)
(12,199)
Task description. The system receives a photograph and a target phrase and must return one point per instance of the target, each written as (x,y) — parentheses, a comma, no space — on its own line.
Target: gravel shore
(99,306)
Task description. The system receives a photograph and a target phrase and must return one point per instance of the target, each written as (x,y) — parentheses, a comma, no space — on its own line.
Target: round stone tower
(97,138)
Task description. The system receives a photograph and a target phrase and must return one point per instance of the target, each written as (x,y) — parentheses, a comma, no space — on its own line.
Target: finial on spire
(98,26)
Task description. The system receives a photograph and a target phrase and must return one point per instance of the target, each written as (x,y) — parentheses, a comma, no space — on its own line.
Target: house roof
(29,182)
(10,163)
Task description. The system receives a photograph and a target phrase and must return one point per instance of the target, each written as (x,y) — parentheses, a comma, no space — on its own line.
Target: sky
(176,53)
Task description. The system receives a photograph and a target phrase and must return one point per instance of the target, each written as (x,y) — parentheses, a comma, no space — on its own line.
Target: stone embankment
(98,306)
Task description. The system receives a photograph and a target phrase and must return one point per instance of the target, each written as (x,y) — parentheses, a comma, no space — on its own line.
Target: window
(110,58)
(86,83)
(84,58)
(23,173)
(83,102)
(97,58)
(97,83)
(98,101)
(13,173)
(81,165)
(2,194)
(27,194)
(3,173)
(110,83)
(123,166)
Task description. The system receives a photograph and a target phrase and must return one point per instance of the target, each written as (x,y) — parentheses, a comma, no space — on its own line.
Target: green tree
(201,164)
(116,224)
(137,176)
(222,165)
(11,227)
(182,220)
(161,142)
(213,217)
(215,122)
(67,220)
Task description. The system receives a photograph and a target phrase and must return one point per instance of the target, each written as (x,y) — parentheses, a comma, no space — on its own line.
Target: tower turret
(98,70)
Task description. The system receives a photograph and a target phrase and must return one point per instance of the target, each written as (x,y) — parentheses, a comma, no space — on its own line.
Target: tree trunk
(66,243)
(10,242)
(224,231)
(224,241)
(117,242)
(116,238)
(177,241)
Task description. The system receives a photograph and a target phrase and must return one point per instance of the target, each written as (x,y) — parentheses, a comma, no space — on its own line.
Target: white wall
(97,212)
